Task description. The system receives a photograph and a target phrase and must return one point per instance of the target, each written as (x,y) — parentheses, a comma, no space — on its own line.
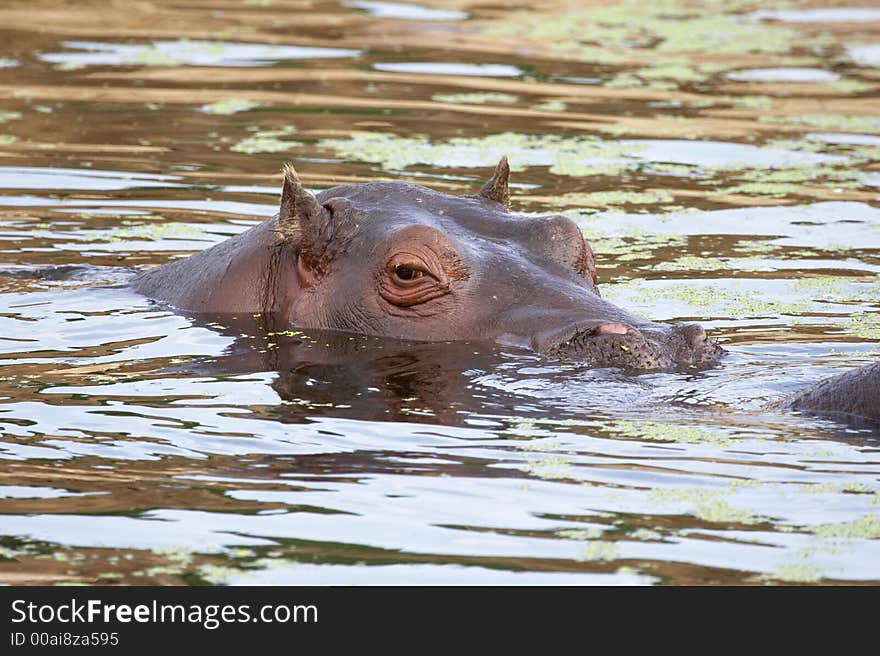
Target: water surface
(723,165)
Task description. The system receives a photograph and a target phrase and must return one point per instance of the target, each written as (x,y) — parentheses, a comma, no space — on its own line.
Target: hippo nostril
(693,333)
(611,329)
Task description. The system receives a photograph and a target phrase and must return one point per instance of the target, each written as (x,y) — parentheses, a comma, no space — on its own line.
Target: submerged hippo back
(854,394)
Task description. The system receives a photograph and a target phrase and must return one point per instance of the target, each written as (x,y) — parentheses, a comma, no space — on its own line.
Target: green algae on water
(796,573)
(550,106)
(833,122)
(549,467)
(738,304)
(692,263)
(577,156)
(580,534)
(267,141)
(653,431)
(229,106)
(866,527)
(865,325)
(476,98)
(708,505)
(769,189)
(599,550)
(617,198)
(674,27)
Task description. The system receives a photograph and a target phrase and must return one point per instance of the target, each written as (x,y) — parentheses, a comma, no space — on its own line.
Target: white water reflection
(822,15)
(406,11)
(25,177)
(447,68)
(186,53)
(783,75)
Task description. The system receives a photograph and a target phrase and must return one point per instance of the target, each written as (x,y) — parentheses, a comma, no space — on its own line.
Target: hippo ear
(496,189)
(300,215)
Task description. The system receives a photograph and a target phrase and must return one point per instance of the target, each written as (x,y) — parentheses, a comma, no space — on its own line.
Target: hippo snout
(615,344)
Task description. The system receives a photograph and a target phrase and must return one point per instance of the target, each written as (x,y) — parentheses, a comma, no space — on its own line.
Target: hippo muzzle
(652,347)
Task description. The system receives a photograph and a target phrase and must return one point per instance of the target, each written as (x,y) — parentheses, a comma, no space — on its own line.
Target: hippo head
(400,260)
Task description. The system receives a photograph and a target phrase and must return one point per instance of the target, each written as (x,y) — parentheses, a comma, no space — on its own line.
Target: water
(724,167)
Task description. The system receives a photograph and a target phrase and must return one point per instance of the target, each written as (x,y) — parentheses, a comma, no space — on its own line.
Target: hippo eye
(412,278)
(407,273)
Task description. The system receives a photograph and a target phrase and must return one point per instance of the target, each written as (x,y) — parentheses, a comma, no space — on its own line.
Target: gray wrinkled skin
(853,394)
(679,346)
(325,262)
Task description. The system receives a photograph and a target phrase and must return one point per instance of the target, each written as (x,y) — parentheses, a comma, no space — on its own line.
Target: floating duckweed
(797,573)
(229,106)
(180,556)
(708,505)
(69,66)
(599,550)
(683,170)
(549,468)
(752,102)
(624,81)
(867,527)
(216,574)
(576,156)
(719,511)
(6,139)
(850,86)
(838,289)
(865,325)
(645,534)
(835,122)
(718,302)
(635,30)
(805,145)
(154,55)
(580,534)
(159,570)
(541,445)
(617,198)
(683,72)
(266,142)
(6,62)
(550,106)
(770,189)
(692,263)
(153,232)
(637,247)
(476,98)
(756,247)
(835,488)
(9,116)
(796,174)
(9,554)
(669,432)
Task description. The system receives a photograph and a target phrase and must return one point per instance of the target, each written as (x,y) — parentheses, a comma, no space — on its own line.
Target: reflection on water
(727,180)
(185,53)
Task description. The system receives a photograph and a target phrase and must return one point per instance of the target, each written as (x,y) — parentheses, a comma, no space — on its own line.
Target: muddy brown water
(723,159)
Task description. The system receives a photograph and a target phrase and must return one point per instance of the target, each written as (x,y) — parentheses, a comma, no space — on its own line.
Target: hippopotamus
(400,260)
(853,397)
